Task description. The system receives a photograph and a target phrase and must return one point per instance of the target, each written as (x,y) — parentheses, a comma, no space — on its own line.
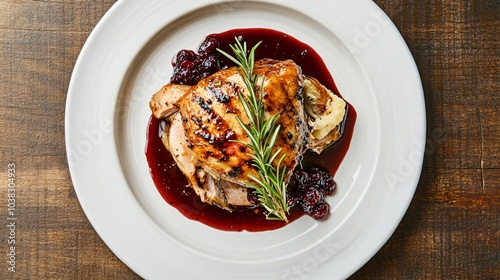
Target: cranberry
(191,67)
(209,63)
(201,75)
(329,186)
(209,45)
(186,64)
(308,187)
(182,76)
(300,179)
(314,174)
(311,197)
(183,55)
(320,211)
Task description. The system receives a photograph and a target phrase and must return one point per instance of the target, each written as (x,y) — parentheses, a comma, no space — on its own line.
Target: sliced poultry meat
(204,136)
(165,102)
(175,141)
(209,189)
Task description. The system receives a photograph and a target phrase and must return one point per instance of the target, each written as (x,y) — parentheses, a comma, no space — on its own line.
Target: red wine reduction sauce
(172,184)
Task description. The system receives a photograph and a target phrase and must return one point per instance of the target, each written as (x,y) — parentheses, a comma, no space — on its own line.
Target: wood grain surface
(451,230)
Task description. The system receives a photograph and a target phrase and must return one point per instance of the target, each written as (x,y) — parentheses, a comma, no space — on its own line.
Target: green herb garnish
(270,185)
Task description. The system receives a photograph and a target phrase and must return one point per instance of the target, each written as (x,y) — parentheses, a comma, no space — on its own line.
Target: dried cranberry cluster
(190,67)
(307,189)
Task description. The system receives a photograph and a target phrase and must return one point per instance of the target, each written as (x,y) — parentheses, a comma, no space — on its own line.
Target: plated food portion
(249,132)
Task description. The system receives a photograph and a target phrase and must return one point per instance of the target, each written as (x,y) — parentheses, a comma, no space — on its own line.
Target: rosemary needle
(270,185)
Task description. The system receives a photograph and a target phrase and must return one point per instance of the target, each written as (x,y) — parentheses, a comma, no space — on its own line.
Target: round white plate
(127,58)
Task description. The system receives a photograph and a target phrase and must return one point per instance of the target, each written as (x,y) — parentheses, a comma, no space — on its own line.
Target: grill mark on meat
(222,141)
(196,120)
(235,172)
(218,94)
(201,101)
(204,131)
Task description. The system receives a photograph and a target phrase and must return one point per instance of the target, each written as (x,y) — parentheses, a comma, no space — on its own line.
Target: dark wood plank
(39,44)
(451,228)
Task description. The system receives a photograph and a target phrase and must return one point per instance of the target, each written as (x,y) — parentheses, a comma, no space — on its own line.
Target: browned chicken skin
(204,137)
(209,111)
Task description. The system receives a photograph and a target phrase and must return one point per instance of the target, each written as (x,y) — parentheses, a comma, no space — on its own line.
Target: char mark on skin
(290,111)
(248,162)
(203,104)
(225,138)
(217,120)
(223,158)
(205,135)
(287,140)
(196,120)
(270,107)
(209,154)
(218,141)
(221,141)
(235,172)
(219,96)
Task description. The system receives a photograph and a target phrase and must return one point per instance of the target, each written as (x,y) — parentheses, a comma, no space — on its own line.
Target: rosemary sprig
(270,185)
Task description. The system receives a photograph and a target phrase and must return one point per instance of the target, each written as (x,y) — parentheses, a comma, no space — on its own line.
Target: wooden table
(451,230)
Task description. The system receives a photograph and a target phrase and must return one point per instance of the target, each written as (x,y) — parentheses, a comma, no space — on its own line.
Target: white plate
(126,59)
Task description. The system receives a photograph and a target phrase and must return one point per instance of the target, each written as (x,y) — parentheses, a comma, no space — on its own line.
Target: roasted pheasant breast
(207,142)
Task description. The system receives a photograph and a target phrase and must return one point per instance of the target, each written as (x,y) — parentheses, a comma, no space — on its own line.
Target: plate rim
(69,137)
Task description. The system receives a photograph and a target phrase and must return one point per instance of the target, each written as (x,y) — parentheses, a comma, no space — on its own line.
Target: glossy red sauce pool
(172,184)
